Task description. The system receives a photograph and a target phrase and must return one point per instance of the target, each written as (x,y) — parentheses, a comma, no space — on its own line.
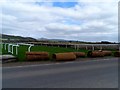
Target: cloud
(83,21)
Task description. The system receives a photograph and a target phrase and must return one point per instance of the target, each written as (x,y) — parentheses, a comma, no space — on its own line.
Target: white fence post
(30,48)
(93,48)
(66,45)
(17,49)
(9,49)
(77,47)
(100,47)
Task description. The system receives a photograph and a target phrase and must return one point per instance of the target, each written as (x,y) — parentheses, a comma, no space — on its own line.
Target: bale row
(57,56)
(68,56)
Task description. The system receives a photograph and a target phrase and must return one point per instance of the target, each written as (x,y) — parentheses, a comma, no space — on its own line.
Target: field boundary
(39,63)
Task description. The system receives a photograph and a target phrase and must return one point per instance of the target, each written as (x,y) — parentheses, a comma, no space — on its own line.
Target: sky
(81,20)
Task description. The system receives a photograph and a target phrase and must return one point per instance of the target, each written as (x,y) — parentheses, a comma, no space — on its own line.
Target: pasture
(19,50)
(22,49)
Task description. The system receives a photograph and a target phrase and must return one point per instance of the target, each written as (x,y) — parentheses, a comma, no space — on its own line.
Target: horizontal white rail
(30,45)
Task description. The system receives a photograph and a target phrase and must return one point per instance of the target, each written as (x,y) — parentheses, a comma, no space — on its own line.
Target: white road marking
(58,63)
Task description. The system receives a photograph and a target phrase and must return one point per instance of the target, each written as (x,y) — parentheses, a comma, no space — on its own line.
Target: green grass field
(22,49)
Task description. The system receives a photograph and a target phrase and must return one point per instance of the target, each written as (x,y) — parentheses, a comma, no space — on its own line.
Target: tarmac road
(102,73)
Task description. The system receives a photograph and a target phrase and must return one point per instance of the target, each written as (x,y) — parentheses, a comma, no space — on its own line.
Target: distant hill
(16,38)
(11,38)
(43,39)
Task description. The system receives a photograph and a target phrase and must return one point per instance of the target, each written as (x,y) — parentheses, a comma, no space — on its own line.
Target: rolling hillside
(7,38)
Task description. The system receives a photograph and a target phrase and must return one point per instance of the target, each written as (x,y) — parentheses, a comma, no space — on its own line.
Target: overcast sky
(81,20)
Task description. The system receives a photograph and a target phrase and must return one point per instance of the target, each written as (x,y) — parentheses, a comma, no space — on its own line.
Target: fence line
(75,46)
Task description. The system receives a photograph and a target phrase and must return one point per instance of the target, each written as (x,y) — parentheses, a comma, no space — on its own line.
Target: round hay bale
(117,54)
(37,56)
(107,53)
(95,54)
(79,54)
(64,56)
(36,53)
(30,57)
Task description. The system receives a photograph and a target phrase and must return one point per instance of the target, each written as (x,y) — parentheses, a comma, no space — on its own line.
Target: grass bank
(22,49)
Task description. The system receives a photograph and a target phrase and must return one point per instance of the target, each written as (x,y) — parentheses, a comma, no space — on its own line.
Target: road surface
(102,73)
